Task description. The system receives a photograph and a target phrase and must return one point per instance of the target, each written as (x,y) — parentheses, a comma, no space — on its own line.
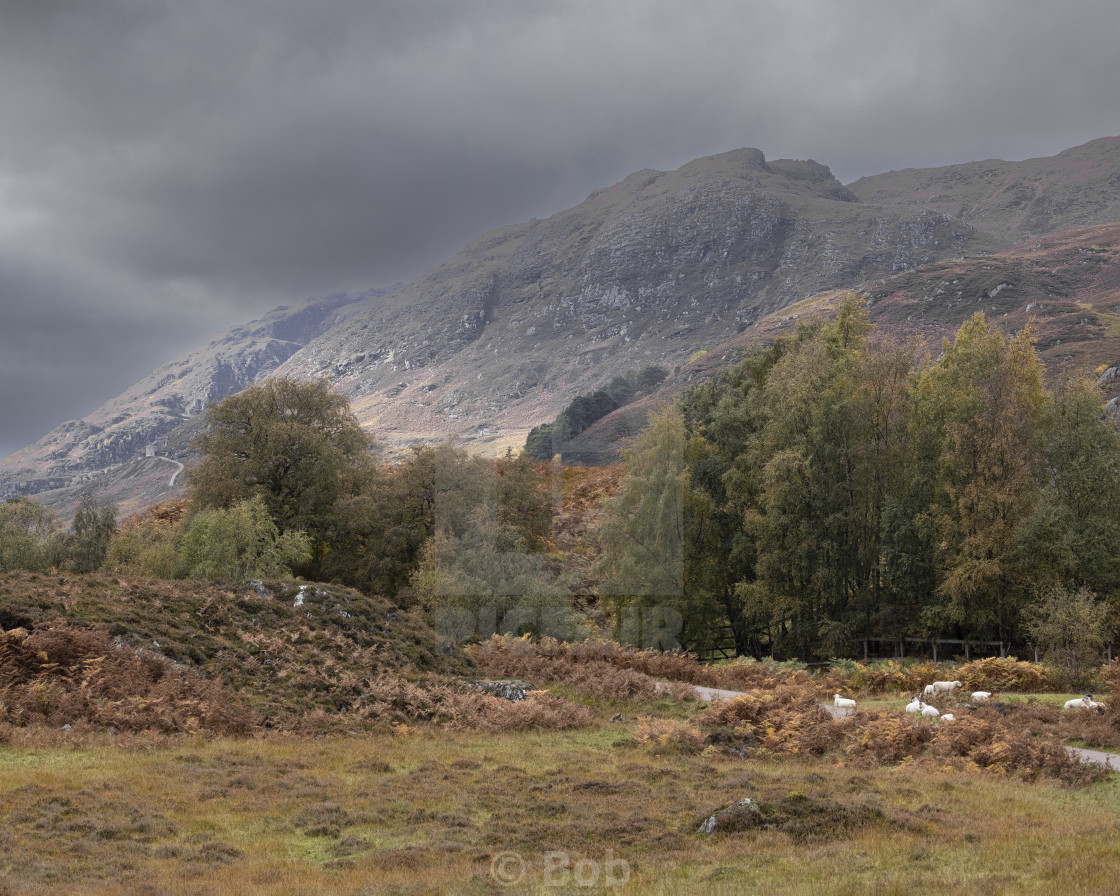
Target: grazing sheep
(1085,702)
(930,712)
(941,687)
(843,702)
(981,696)
(948,717)
(915,705)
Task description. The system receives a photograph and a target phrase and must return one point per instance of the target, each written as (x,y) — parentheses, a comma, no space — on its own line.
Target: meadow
(469,812)
(599,784)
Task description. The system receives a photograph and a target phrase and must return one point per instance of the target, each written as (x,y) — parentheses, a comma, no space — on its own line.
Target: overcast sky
(170,168)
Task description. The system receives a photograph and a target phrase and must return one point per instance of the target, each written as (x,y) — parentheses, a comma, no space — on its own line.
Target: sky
(171,168)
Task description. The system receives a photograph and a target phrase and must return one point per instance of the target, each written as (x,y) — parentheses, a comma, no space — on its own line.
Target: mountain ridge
(653,269)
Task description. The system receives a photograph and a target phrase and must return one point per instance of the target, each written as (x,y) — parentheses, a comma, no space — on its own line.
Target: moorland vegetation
(832,487)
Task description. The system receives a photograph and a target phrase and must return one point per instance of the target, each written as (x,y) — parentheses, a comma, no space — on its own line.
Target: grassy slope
(281,659)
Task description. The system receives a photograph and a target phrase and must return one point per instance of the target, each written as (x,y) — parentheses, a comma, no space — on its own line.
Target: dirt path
(175,475)
(1108,760)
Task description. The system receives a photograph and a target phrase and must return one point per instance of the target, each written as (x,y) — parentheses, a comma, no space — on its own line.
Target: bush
(1072,630)
(68,676)
(240,543)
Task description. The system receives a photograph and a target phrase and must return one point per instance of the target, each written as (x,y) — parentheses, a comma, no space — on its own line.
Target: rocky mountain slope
(648,271)
(157,418)
(1066,286)
(1013,201)
(653,270)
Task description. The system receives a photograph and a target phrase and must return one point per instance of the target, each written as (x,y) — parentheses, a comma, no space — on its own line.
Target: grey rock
(739,816)
(508,689)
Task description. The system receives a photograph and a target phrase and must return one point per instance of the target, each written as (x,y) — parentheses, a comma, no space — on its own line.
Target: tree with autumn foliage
(852,488)
(980,409)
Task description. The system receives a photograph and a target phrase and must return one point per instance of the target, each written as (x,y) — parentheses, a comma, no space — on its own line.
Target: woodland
(322,672)
(832,487)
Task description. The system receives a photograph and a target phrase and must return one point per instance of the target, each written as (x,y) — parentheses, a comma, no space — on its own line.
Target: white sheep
(915,705)
(941,687)
(1085,702)
(930,712)
(843,702)
(948,717)
(981,696)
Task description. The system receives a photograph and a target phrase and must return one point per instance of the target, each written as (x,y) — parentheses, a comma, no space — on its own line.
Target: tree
(1071,628)
(982,406)
(295,445)
(27,534)
(1073,534)
(489,524)
(88,541)
(239,543)
(646,538)
(147,543)
(524,499)
(643,533)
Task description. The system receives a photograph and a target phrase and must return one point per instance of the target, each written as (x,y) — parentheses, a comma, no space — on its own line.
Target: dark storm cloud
(168,169)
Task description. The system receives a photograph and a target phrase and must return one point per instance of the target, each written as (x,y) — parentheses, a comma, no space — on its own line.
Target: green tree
(91,531)
(650,536)
(489,522)
(1071,628)
(295,445)
(239,543)
(982,406)
(643,530)
(147,544)
(28,533)
(524,498)
(1073,534)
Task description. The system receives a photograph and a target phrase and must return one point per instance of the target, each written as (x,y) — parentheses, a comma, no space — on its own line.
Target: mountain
(650,270)
(1065,286)
(656,269)
(150,426)
(1013,201)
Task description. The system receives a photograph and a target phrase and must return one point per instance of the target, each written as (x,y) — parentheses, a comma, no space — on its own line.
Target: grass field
(320,742)
(457,812)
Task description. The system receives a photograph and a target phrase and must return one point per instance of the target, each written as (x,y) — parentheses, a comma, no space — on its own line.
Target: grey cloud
(191,164)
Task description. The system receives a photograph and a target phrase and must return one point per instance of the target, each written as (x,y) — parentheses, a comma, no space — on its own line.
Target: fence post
(966,651)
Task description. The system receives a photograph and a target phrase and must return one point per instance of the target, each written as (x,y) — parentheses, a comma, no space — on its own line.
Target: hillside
(161,414)
(648,271)
(282,650)
(662,267)
(1066,286)
(1013,201)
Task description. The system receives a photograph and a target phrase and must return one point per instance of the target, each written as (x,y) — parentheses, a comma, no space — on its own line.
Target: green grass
(429,812)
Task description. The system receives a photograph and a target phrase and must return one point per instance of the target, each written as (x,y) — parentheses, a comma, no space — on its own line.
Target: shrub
(64,675)
(996,673)
(787,719)
(394,701)
(240,543)
(669,736)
